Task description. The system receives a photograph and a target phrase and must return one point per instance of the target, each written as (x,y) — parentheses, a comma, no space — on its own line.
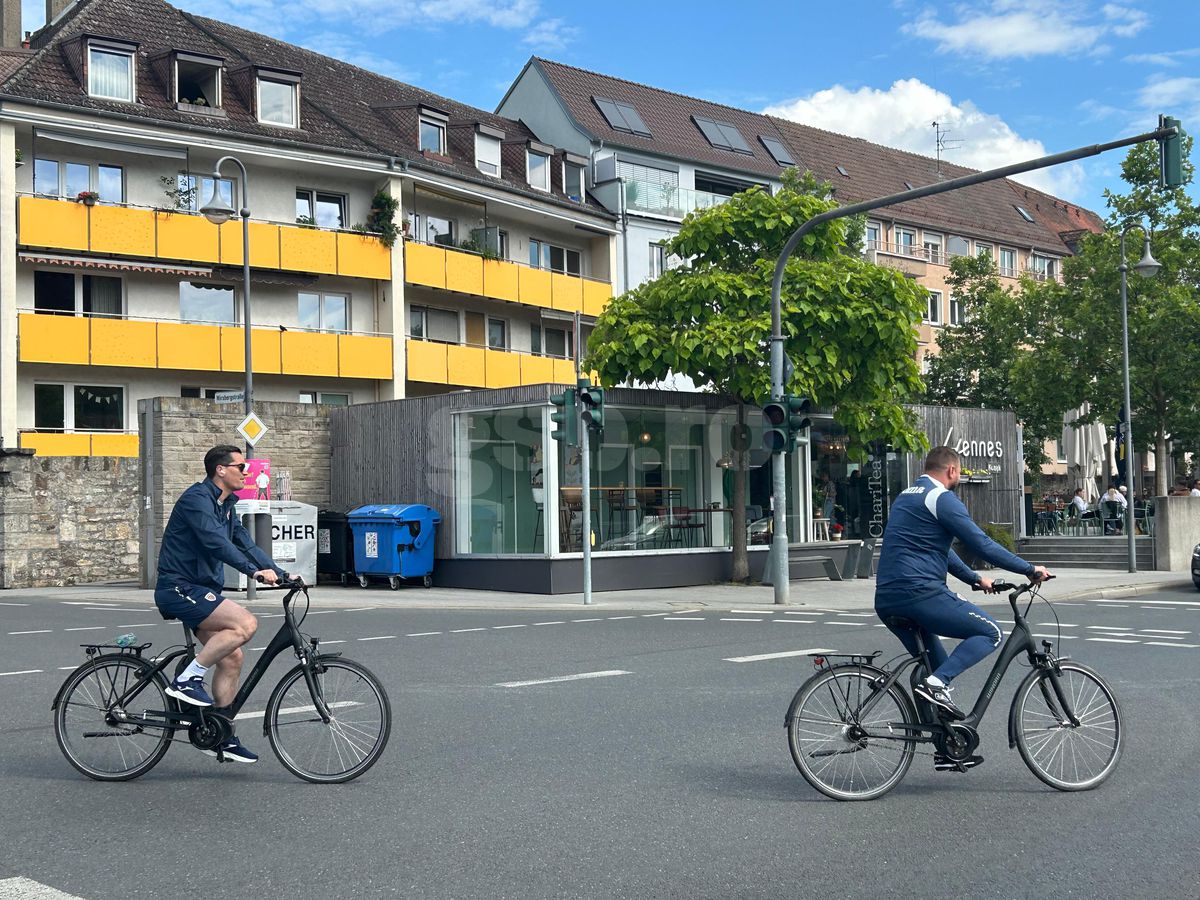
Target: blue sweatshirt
(203,534)
(916,544)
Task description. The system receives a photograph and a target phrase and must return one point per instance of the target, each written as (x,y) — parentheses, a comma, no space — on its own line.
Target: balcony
(183,236)
(469,273)
(153,344)
(57,443)
(466,366)
(668,200)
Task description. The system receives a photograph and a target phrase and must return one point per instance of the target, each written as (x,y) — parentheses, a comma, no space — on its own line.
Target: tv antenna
(942,143)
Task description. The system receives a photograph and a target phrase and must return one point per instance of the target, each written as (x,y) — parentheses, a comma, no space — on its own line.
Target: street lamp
(1147,267)
(217,211)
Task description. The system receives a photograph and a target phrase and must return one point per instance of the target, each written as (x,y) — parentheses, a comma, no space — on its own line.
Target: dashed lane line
(796,621)
(452,631)
(422,633)
(499,627)
(601,619)
(560,622)
(685,619)
(14,604)
(653,615)
(615,618)
(23,672)
(1163,631)
(559,678)
(258,714)
(1163,644)
(40,631)
(1113,640)
(759,657)
(740,619)
(382,637)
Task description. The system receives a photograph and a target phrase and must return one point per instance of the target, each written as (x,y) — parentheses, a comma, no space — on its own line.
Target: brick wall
(176,432)
(67,520)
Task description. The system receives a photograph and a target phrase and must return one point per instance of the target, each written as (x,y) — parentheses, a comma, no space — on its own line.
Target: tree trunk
(741,562)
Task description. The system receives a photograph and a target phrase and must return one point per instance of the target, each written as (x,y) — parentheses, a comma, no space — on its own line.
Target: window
(958,246)
(487,153)
(64,293)
(658,259)
(110,72)
(67,179)
(502,241)
(198,392)
(957,313)
(538,170)
(1024,213)
(319,208)
(621,117)
(933,312)
(1043,267)
(196,190)
(1008,262)
(983,249)
(497,334)
(437,230)
(906,239)
(197,80)
(432,136)
(841,171)
(558,259)
(551,341)
(933,247)
(324,398)
(873,236)
(573,181)
(1060,452)
(89,407)
(433,324)
(723,135)
(778,152)
(207,303)
(279,102)
(324,312)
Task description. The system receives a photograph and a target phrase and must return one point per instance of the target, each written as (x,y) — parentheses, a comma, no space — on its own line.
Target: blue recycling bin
(394,541)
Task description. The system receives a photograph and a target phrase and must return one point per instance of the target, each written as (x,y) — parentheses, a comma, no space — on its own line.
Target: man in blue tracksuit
(203,535)
(911,579)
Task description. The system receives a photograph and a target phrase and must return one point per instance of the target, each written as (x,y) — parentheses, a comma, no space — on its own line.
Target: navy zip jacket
(202,535)
(916,544)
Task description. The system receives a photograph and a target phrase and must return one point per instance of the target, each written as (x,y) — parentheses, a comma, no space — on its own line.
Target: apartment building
(400,243)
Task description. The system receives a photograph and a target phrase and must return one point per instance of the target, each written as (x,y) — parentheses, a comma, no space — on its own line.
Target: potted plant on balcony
(20,158)
(87,198)
(835,531)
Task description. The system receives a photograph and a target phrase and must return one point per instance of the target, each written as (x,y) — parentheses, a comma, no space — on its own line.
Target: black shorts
(189,603)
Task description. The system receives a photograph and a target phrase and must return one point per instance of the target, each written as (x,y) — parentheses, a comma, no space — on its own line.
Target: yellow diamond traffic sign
(252,429)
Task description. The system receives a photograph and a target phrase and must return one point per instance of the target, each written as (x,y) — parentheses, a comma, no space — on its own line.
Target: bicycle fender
(91,663)
(791,713)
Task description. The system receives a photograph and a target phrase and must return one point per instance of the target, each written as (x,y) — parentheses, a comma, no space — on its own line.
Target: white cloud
(901,117)
(1166,58)
(1027,28)
(550,35)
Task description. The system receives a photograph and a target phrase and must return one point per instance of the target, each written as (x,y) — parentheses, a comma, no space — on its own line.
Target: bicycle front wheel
(93,741)
(834,727)
(353,739)
(1065,756)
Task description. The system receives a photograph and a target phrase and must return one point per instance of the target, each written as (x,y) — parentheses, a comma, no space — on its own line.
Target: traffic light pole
(779,540)
(585,460)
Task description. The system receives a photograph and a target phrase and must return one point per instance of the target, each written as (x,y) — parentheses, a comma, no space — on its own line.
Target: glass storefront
(851,494)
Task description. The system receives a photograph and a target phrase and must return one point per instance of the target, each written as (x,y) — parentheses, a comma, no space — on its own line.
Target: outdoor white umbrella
(1085,447)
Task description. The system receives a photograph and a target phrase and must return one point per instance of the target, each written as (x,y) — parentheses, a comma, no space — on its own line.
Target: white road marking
(23,672)
(684,612)
(614,618)
(1108,627)
(1161,637)
(741,619)
(855,624)
(606,674)
(685,619)
(795,621)
(653,615)
(786,653)
(749,612)
(1163,631)
(332,642)
(1164,644)
(72,668)
(1112,640)
(868,615)
(382,637)
(550,623)
(452,631)
(801,612)
(139,625)
(498,627)
(1167,608)
(28,889)
(294,709)
(14,604)
(41,631)
(359,609)
(84,603)
(588,620)
(1065,637)
(1120,606)
(1141,603)
(422,633)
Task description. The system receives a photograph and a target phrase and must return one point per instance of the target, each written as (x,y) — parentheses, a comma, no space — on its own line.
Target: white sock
(194,668)
(934,681)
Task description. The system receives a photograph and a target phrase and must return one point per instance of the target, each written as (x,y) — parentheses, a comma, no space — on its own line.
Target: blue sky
(1010,79)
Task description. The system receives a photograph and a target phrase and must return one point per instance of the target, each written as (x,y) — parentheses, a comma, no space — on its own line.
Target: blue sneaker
(232,749)
(190,691)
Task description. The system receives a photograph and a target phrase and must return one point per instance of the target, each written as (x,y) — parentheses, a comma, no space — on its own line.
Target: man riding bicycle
(911,578)
(203,535)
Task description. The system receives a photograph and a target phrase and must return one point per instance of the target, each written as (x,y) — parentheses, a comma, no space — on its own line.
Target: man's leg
(223,633)
(949,615)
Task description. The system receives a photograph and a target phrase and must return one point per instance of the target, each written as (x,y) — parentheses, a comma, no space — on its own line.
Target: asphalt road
(672,779)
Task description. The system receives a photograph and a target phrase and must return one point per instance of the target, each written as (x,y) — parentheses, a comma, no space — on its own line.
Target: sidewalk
(1071,584)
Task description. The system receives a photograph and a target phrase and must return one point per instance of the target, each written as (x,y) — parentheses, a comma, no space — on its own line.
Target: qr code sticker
(372,545)
(324,541)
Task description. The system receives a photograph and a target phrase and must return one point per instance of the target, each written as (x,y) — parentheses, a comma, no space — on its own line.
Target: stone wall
(1176,532)
(67,520)
(176,432)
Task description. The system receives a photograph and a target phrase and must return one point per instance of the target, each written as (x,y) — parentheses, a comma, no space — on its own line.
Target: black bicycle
(328,719)
(853,729)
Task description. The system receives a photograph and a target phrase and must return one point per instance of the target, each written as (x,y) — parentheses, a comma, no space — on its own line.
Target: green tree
(849,325)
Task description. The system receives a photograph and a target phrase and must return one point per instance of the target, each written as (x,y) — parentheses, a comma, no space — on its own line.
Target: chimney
(54,7)
(10,23)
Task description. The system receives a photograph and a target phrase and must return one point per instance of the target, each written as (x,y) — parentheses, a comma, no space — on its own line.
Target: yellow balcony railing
(447,269)
(52,443)
(95,341)
(183,236)
(435,363)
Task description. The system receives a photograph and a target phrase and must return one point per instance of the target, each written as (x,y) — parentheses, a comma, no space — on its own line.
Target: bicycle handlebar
(294,583)
(1001,586)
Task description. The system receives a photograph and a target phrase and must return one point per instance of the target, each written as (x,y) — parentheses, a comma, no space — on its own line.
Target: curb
(1129,590)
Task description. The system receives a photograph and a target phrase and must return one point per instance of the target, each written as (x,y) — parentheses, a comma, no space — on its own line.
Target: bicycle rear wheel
(829,733)
(356,734)
(1065,756)
(91,740)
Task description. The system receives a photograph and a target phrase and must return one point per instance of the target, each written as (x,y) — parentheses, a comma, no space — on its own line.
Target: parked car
(1196,566)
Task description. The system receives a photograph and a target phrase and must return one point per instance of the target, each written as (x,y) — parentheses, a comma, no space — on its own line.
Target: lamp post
(217,211)
(1147,266)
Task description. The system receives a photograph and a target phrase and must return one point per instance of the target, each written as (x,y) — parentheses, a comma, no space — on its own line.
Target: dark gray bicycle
(328,719)
(853,729)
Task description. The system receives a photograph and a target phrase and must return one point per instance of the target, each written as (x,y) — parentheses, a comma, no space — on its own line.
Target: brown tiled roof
(11,59)
(341,104)
(986,210)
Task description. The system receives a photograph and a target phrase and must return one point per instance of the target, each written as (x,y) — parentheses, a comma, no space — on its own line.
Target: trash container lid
(404,512)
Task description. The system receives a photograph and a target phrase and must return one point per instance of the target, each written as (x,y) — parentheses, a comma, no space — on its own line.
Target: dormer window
(537,165)
(279,98)
(573,179)
(198,80)
(431,135)
(110,70)
(487,149)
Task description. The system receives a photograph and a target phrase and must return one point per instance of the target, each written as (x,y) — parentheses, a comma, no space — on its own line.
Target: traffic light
(1170,154)
(564,417)
(783,420)
(591,401)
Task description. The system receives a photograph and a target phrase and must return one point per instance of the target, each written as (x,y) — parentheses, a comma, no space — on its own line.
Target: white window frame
(420,309)
(529,155)
(205,393)
(658,259)
(342,199)
(131,57)
(294,85)
(877,242)
(1009,272)
(441,130)
(929,307)
(322,296)
(318,397)
(217,69)
(981,247)
(541,328)
(69,408)
(93,177)
(582,180)
(487,140)
(957,312)
(237,306)
(932,239)
(1060,451)
(79,276)
(909,249)
(487,332)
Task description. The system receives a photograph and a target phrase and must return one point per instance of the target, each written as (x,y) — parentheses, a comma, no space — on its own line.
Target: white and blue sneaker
(190,690)
(232,749)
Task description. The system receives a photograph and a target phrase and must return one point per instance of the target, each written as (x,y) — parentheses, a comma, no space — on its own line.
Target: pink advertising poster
(258,480)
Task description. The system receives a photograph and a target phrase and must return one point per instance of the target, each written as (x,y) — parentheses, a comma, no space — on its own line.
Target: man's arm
(961,570)
(954,518)
(211,536)
(241,537)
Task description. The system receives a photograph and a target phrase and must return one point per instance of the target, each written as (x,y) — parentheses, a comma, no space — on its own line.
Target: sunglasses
(241,467)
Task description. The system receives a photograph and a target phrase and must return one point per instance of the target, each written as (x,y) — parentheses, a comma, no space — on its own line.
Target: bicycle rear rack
(862,659)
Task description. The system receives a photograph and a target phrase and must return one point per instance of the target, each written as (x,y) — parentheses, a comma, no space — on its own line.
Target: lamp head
(1147,266)
(216,210)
